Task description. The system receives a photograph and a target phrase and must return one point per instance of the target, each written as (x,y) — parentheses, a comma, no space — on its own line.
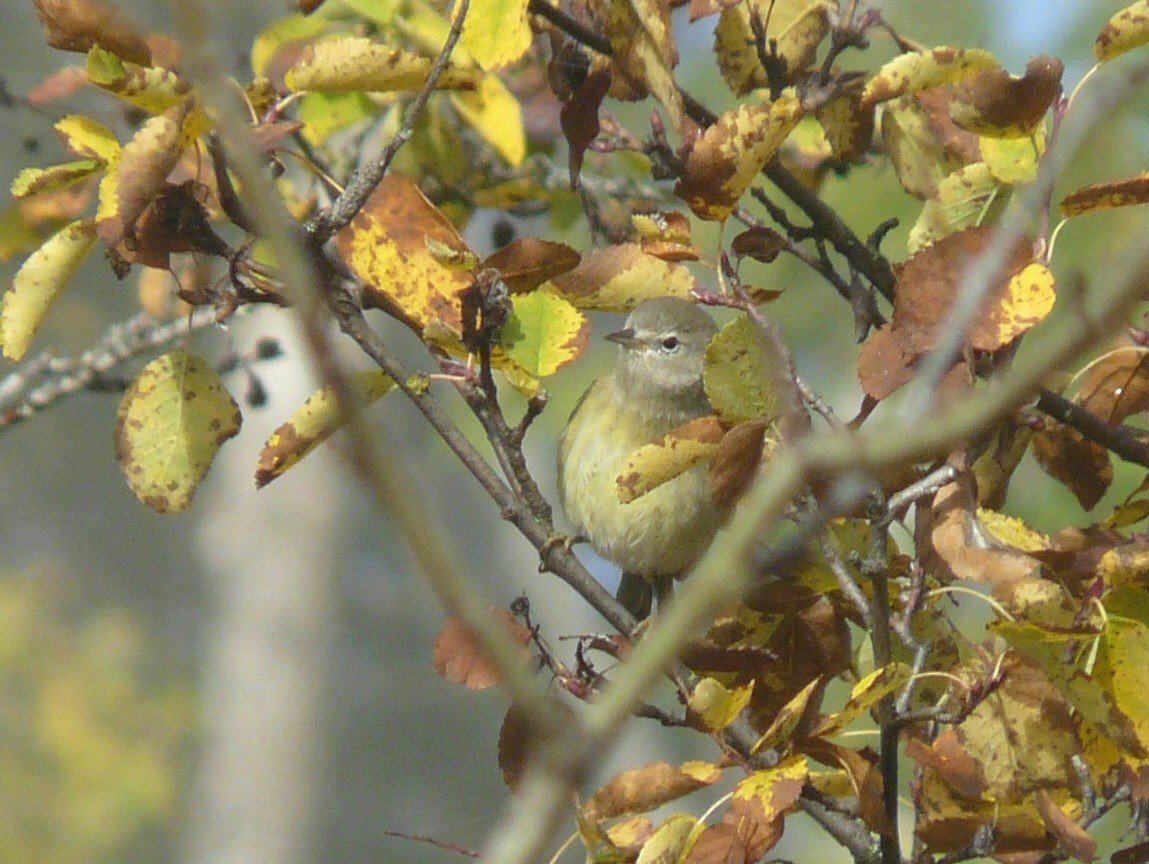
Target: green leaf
(544,333)
(171,422)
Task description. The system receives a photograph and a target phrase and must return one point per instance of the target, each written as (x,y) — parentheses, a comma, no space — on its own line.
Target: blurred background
(252,681)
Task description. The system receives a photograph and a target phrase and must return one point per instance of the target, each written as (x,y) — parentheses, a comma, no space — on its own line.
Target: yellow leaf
(386,246)
(87,137)
(1126,30)
(171,422)
(922,70)
(495,113)
(351,63)
(1011,531)
(544,333)
(1106,196)
(1027,301)
(916,146)
(726,159)
(150,88)
(671,842)
(280,34)
(796,28)
(668,457)
(964,199)
(741,372)
(314,422)
(786,721)
(496,32)
(39,282)
(866,694)
(618,278)
(644,54)
(715,707)
(34,181)
(1013,160)
(647,787)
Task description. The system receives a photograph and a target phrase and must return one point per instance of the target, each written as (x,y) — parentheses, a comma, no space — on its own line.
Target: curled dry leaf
(992,102)
(923,142)
(644,54)
(579,118)
(1083,466)
(1106,196)
(669,456)
(1071,837)
(79,25)
(460,658)
(924,70)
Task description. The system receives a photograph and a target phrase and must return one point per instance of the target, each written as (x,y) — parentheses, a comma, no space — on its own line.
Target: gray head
(663,345)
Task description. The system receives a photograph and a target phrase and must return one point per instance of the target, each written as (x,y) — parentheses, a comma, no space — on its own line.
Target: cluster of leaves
(1020,739)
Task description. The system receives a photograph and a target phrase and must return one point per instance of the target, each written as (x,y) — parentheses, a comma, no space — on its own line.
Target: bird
(655,386)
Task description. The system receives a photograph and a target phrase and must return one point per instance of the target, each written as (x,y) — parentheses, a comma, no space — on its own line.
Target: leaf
(324,114)
(797,27)
(725,160)
(140,173)
(849,126)
(922,70)
(78,25)
(617,278)
(791,716)
(1106,195)
(713,707)
(736,464)
(349,63)
(150,88)
(1115,386)
(667,457)
(968,198)
(1027,301)
(643,54)
(994,103)
(280,39)
(1014,161)
(865,695)
(172,421)
(496,33)
(87,137)
(36,181)
(526,263)
(745,374)
(459,655)
(641,789)
(671,841)
(1071,837)
(923,142)
(1126,30)
(386,246)
(314,422)
(39,282)
(764,799)
(1065,454)
(578,119)
(544,333)
(494,112)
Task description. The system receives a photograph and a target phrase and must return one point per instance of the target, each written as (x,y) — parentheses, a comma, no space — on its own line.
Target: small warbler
(656,386)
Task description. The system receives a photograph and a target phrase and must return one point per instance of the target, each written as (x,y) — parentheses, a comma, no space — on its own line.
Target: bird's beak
(625,338)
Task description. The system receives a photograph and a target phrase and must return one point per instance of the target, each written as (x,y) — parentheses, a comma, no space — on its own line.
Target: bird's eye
(670,343)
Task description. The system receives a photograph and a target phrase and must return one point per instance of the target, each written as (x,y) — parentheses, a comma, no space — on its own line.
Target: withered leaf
(528,262)
(1116,385)
(648,787)
(1106,195)
(992,102)
(460,658)
(579,118)
(1071,837)
(1067,456)
(78,25)
(760,243)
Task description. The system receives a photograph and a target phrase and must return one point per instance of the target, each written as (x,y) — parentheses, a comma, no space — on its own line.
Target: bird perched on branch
(655,386)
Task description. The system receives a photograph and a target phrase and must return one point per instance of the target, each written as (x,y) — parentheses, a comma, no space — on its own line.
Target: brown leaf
(994,103)
(579,118)
(175,221)
(885,363)
(1081,465)
(648,787)
(1136,854)
(736,464)
(720,844)
(849,126)
(1071,837)
(459,656)
(1106,195)
(957,769)
(517,743)
(78,25)
(760,243)
(1116,385)
(528,262)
